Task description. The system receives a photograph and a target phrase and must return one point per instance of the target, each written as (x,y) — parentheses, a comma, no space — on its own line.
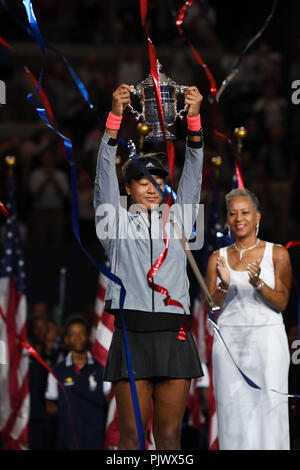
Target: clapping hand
(254,272)
(223,271)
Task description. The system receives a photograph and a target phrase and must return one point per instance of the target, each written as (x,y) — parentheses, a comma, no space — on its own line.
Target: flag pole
(214,308)
(10,161)
(240,134)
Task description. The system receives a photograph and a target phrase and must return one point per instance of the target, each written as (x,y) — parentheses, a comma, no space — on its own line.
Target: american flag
(14,380)
(103,324)
(196,417)
(102,331)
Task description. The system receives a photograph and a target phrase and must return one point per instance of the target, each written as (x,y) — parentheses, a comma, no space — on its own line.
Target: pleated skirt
(154,354)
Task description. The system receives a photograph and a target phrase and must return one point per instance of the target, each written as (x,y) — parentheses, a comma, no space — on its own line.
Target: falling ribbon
(35,33)
(4,210)
(181,14)
(43,95)
(292,243)
(170,152)
(103,269)
(5,44)
(36,355)
(155,78)
(238,170)
(213,87)
(247,379)
(236,67)
(81,87)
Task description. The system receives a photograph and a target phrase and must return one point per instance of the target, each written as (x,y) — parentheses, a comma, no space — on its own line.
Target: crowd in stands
(258,98)
(109,48)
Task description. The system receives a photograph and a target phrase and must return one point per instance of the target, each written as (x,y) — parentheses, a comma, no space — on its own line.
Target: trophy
(146,93)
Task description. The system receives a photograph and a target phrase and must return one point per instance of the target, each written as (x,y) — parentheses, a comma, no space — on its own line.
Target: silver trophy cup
(169,91)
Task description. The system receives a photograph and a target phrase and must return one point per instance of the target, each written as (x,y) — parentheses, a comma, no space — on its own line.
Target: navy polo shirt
(84,389)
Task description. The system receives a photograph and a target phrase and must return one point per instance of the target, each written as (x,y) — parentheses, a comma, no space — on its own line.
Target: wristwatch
(260,286)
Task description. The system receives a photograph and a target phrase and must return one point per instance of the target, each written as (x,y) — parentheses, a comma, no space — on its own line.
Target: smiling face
(143,192)
(77,337)
(242,218)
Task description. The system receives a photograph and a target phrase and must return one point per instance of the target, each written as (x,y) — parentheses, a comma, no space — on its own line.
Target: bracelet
(113,122)
(197,133)
(220,288)
(260,286)
(194,123)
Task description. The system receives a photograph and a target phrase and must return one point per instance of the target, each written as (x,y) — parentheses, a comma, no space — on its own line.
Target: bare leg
(128,432)
(170,398)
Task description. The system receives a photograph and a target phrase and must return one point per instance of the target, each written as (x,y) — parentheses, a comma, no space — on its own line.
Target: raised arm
(217,268)
(189,188)
(279,296)
(106,181)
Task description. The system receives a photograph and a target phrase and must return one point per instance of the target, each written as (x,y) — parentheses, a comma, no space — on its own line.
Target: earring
(229,232)
(257,229)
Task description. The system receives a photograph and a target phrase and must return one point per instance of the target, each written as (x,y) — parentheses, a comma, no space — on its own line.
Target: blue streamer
(103,269)
(247,379)
(35,32)
(81,87)
(34,25)
(135,159)
(168,189)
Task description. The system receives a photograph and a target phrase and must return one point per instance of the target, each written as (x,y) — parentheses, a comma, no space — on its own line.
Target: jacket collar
(69,361)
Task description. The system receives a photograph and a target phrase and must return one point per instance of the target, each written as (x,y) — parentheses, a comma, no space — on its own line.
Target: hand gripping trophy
(169,91)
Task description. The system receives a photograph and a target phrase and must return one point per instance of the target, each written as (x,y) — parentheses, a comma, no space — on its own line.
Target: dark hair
(77,318)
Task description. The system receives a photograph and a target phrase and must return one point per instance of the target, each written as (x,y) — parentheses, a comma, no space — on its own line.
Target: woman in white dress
(250,280)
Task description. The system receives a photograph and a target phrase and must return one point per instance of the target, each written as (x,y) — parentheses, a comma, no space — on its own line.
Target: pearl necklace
(245,249)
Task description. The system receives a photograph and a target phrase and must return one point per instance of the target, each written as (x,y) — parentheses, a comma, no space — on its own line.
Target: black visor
(152,164)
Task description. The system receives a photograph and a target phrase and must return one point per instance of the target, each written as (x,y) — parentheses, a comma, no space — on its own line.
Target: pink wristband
(113,122)
(194,123)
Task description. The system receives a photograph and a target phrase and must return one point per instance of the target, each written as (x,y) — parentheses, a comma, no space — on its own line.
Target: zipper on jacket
(151,262)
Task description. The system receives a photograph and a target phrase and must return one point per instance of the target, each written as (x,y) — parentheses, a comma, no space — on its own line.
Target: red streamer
(154,74)
(43,96)
(5,44)
(4,210)
(49,112)
(170,152)
(213,87)
(35,82)
(236,157)
(210,77)
(292,243)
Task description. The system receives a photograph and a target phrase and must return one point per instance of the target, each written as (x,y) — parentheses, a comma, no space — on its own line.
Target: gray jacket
(125,236)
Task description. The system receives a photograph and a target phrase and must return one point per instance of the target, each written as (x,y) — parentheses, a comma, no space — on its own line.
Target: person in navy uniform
(82,378)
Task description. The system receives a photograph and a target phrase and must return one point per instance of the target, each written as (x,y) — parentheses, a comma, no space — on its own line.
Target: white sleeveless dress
(253,330)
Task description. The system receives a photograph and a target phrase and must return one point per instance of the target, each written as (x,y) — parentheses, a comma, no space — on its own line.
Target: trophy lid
(162,77)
